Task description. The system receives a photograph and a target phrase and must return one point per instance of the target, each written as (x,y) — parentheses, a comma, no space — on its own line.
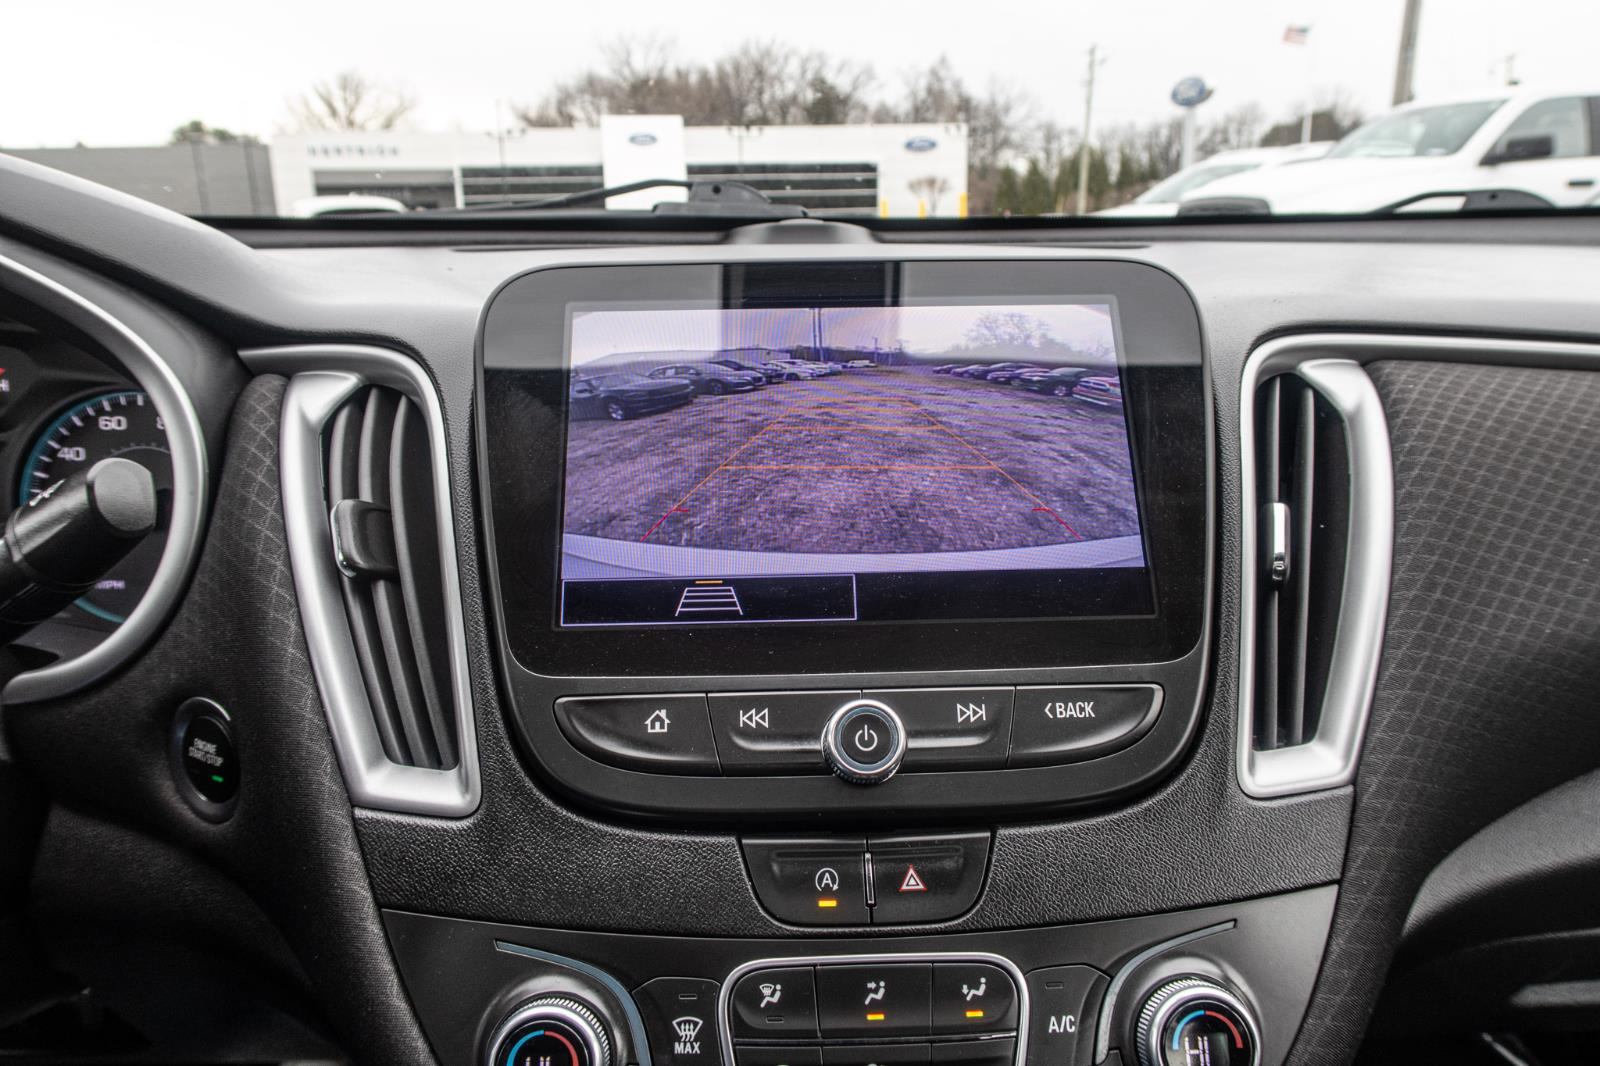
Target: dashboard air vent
(385,540)
(1318,499)
(367,510)
(1302,510)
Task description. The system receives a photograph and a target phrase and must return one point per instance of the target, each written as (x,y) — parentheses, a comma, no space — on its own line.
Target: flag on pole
(1296,34)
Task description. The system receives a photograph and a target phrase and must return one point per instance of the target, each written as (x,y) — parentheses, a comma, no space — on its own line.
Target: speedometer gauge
(123,424)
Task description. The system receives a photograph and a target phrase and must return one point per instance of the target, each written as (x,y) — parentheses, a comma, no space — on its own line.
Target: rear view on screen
(847,463)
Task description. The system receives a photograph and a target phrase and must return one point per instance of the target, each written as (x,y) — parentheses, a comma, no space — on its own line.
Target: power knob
(864,742)
(553,1030)
(1194,1021)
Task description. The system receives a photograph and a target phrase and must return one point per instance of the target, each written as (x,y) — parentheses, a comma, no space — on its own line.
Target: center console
(851,563)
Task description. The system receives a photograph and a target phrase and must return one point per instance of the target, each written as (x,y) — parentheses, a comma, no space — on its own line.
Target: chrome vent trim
(321,379)
(1327,758)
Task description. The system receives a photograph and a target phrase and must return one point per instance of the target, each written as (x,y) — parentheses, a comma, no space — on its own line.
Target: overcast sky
(597,334)
(109,72)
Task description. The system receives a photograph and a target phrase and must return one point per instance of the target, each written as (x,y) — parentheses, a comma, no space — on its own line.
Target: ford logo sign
(643,140)
(921,144)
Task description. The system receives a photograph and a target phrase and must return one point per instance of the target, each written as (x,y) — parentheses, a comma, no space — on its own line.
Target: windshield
(1421,131)
(368,117)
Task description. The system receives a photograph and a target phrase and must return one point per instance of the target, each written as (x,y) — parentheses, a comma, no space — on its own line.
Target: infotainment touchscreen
(841,464)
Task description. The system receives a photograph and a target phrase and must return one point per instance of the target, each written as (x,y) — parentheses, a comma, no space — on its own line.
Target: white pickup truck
(1511,148)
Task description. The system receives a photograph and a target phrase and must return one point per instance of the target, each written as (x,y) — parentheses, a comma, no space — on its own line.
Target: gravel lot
(892,459)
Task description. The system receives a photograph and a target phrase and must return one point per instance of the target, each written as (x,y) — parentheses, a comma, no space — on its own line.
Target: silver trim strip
(1102,1035)
(191,487)
(1328,759)
(725,996)
(322,377)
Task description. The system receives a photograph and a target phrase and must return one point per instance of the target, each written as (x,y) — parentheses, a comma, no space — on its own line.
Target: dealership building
(900,169)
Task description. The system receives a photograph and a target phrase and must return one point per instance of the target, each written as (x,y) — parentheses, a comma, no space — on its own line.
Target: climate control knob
(864,742)
(1195,1021)
(553,1030)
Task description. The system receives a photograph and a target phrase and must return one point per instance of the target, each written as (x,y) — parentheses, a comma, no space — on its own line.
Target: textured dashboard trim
(324,377)
(1486,688)
(190,485)
(1328,759)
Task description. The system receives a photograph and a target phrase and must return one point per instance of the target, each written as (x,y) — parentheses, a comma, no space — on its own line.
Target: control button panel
(926,878)
(1062,723)
(680,1016)
(886,1010)
(788,733)
(953,728)
(878,999)
(819,881)
(775,1004)
(772,732)
(1063,1003)
(884,880)
(662,734)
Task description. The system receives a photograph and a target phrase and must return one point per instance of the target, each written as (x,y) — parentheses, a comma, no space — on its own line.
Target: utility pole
(1088,114)
(1406,63)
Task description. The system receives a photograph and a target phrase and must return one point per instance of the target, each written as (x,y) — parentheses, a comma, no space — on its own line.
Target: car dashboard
(594,647)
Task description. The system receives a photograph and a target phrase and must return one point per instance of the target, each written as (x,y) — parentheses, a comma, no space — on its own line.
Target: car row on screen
(621,395)
(1077,382)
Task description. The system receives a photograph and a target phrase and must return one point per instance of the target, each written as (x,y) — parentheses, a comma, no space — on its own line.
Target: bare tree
(1239,128)
(757,84)
(349,101)
(930,188)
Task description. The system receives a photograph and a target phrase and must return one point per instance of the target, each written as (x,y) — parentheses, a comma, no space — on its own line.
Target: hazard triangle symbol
(913,881)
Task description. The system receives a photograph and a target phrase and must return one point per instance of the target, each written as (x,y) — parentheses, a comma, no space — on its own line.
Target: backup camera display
(837,464)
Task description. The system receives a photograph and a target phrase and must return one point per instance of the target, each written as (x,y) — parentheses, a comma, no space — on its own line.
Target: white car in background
(1505,148)
(1161,199)
(348,204)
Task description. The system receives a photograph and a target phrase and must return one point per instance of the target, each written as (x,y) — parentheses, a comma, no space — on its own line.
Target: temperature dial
(551,1031)
(1194,1021)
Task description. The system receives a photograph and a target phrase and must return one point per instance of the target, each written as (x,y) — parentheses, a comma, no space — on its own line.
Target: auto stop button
(1070,723)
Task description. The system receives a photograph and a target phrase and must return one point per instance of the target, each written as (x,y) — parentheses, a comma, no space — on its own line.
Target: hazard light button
(926,878)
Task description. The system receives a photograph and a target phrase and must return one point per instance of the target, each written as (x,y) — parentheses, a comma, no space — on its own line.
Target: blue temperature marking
(1185,1020)
(511,1057)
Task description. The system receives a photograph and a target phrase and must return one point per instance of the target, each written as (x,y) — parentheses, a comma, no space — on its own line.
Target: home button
(663,734)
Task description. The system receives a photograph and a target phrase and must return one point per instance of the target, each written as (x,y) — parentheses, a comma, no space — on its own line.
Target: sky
(119,73)
(597,334)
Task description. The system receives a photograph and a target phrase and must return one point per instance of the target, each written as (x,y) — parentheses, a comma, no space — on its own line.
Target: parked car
(784,371)
(946,368)
(1106,392)
(1009,374)
(861,364)
(710,379)
(1428,155)
(1057,382)
(620,396)
(806,369)
(769,373)
(1161,200)
(828,369)
(970,370)
(987,371)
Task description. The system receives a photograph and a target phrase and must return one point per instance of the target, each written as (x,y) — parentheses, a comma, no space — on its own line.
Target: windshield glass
(1422,131)
(371,117)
